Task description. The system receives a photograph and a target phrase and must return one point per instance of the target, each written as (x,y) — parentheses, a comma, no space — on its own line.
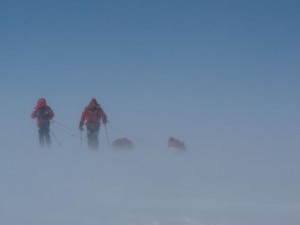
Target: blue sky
(221,75)
(187,66)
(183,58)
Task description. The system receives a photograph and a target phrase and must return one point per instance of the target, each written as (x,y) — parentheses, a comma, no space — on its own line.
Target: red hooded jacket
(42,113)
(92,114)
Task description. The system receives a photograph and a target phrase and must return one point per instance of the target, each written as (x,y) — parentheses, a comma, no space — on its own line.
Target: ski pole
(106,134)
(57,141)
(81,145)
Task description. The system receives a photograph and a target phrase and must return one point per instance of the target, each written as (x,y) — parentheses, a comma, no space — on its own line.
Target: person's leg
(92,135)
(41,137)
(47,136)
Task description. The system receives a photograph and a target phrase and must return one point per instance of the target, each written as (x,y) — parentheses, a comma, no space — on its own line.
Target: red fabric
(41,102)
(93,102)
(42,114)
(92,114)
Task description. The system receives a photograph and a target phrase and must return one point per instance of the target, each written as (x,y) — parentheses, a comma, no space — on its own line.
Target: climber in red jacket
(43,114)
(92,116)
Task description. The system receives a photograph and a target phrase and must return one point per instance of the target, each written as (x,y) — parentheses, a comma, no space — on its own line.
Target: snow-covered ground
(68,185)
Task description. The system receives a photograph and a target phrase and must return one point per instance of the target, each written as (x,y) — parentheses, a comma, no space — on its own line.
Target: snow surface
(70,185)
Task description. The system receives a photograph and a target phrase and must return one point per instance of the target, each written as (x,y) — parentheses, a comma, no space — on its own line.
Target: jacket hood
(41,102)
(93,102)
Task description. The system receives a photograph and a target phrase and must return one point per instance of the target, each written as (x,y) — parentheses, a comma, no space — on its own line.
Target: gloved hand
(81,126)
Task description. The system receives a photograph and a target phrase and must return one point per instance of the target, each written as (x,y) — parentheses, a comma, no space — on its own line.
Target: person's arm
(49,113)
(82,119)
(104,117)
(34,113)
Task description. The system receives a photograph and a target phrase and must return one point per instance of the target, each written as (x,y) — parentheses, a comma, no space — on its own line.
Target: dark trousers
(92,136)
(44,136)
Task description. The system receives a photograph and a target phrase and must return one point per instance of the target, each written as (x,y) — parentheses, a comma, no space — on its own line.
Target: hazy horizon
(222,76)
